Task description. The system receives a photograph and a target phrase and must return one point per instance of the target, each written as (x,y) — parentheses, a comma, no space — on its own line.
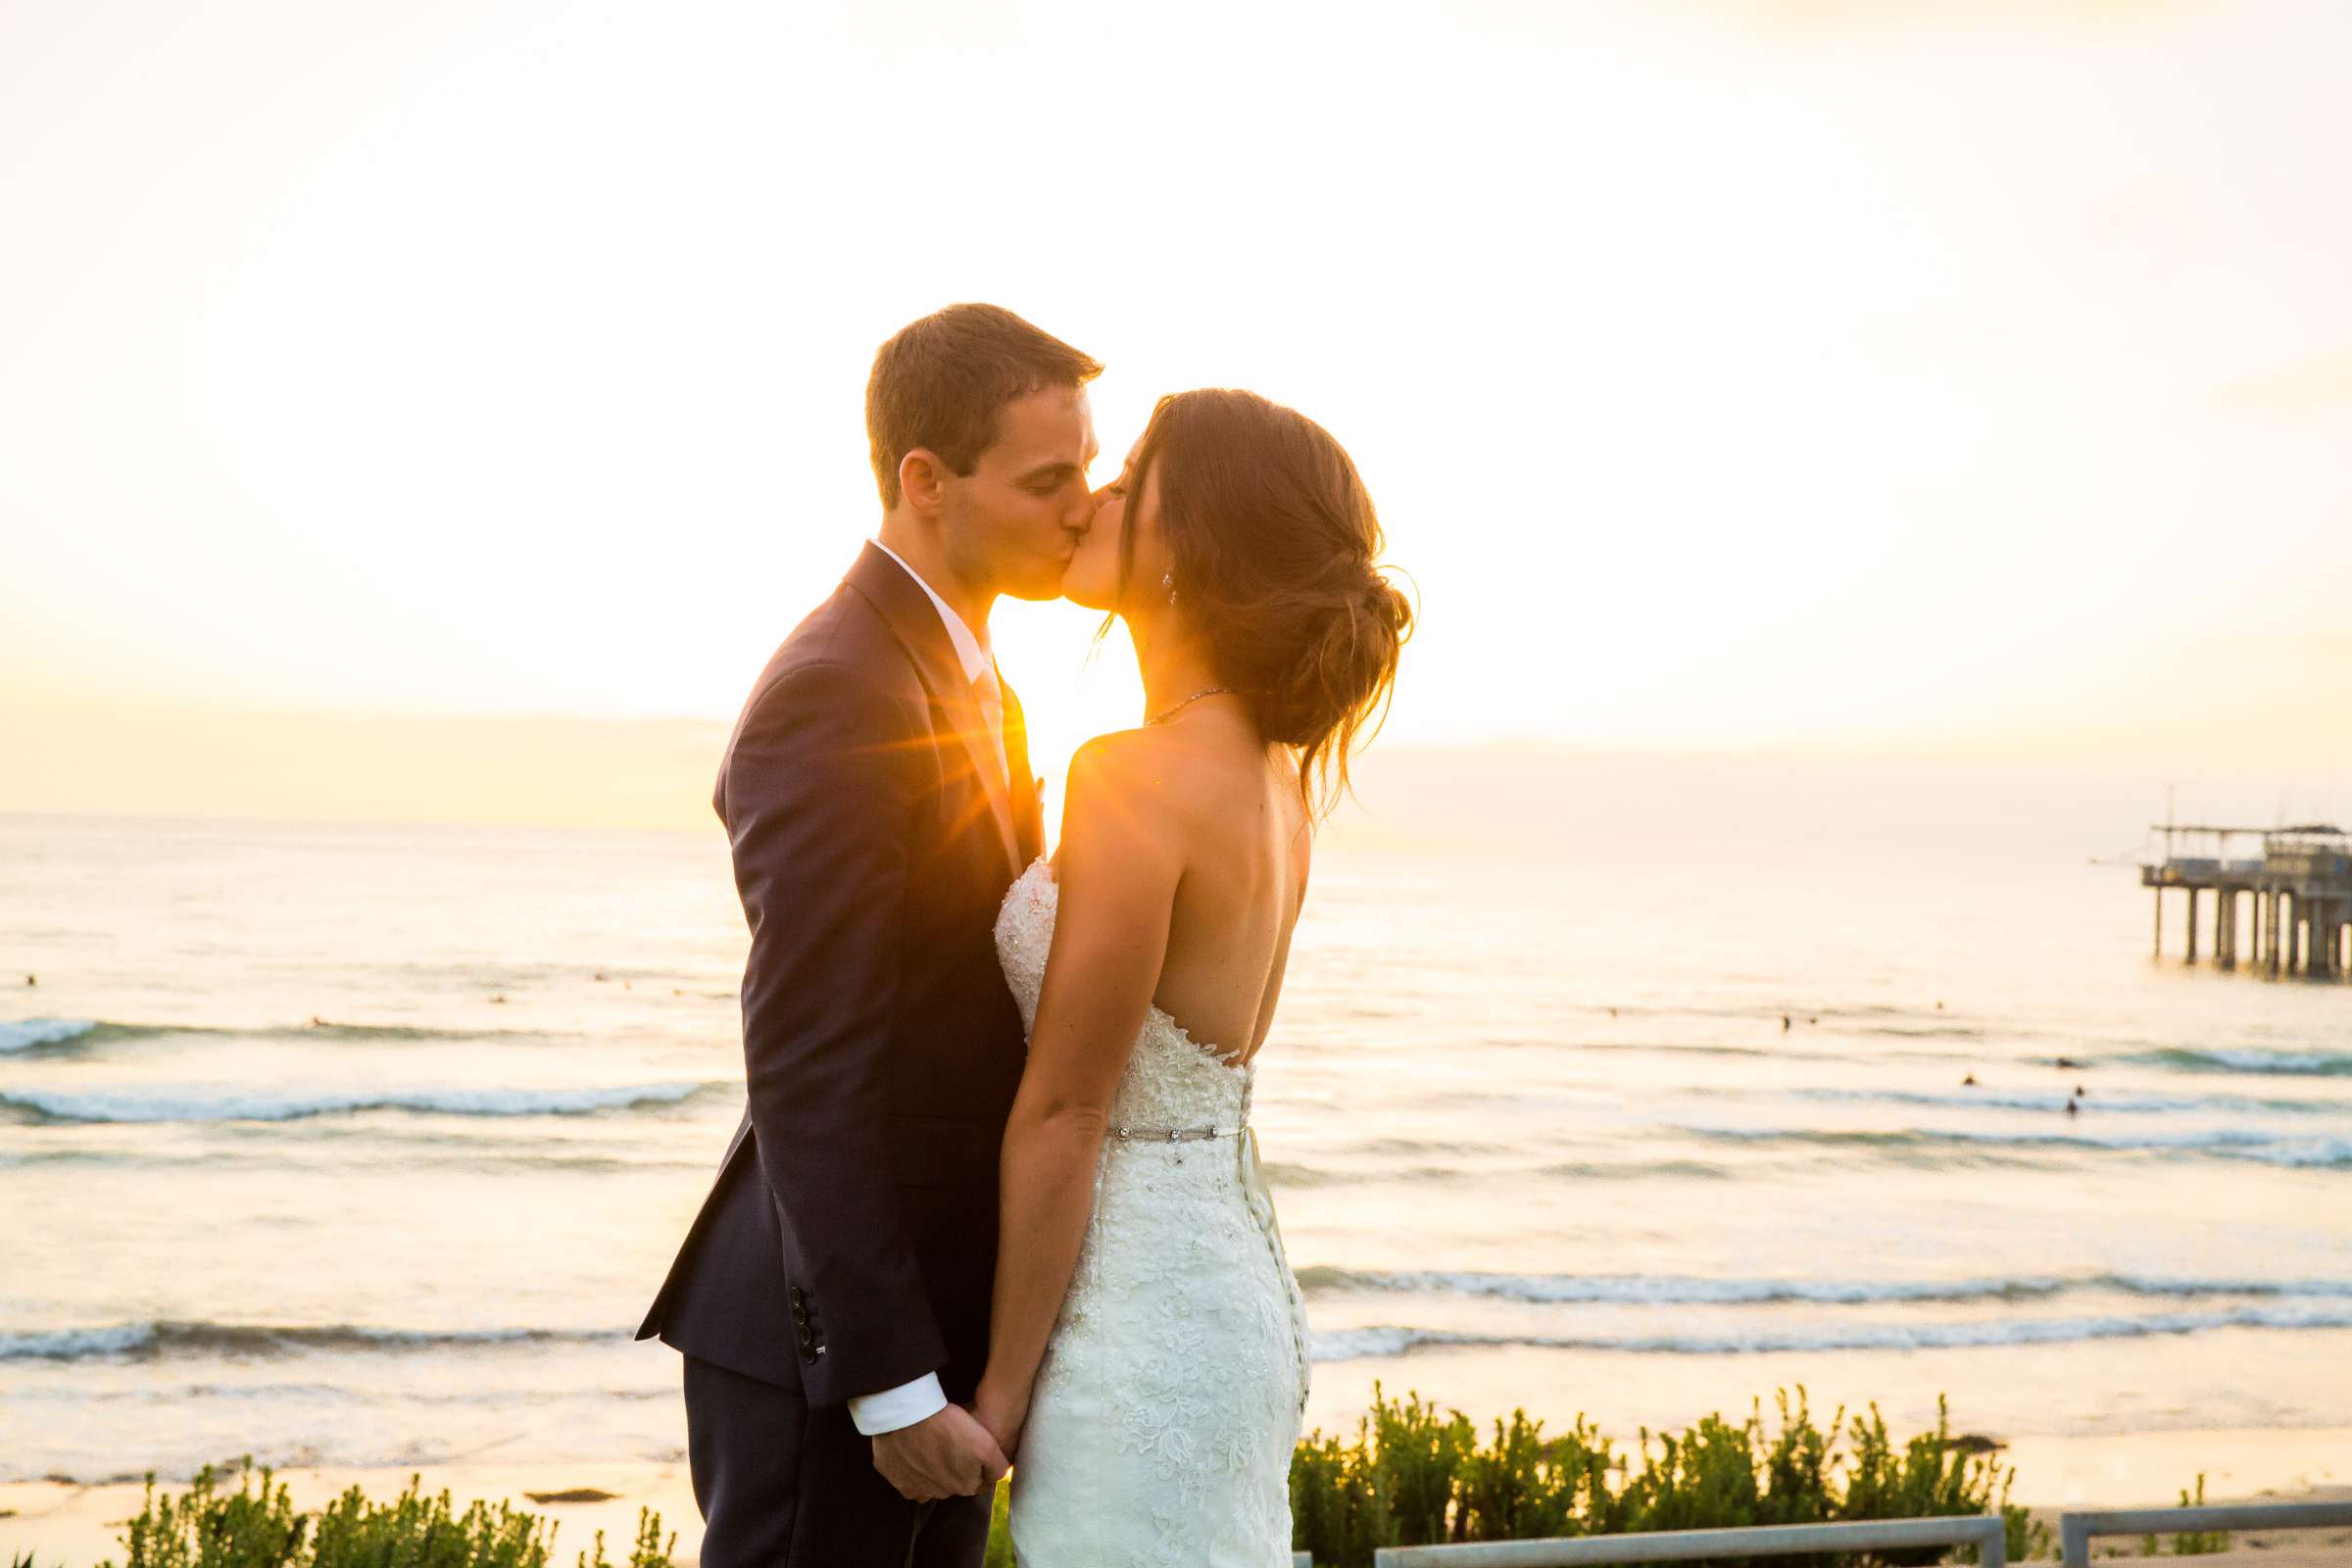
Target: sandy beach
(79,1526)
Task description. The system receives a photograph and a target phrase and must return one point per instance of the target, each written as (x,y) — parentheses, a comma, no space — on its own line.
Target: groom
(831,1297)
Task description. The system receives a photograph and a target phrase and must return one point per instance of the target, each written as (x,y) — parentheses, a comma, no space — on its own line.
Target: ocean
(368,1146)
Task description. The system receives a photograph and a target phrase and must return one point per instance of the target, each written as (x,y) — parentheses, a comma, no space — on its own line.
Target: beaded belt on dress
(1186,1135)
(1173,1134)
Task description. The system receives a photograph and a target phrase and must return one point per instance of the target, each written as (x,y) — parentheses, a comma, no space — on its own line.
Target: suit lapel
(1028,811)
(914,620)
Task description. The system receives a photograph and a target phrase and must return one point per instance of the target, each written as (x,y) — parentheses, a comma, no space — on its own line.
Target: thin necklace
(1166,713)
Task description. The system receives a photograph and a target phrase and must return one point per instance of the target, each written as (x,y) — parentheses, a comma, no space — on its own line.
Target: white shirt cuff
(903,1406)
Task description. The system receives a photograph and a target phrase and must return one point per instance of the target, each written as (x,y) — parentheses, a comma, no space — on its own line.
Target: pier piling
(2300,891)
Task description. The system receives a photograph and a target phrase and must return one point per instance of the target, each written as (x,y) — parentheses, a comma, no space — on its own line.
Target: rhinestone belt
(1187,1135)
(1173,1134)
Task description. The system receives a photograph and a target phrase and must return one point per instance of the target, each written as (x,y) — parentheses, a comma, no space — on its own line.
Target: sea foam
(216,1102)
(153,1338)
(31,1032)
(1361,1344)
(1670,1290)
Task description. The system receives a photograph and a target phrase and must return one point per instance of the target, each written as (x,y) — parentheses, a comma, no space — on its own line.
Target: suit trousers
(782,1486)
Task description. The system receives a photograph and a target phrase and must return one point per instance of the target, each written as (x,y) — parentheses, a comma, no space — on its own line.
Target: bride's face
(1092,579)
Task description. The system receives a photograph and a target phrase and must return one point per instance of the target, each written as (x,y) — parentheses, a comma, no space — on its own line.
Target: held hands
(949,1455)
(1003,1414)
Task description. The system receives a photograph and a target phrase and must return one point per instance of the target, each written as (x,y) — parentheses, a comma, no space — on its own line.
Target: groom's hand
(949,1455)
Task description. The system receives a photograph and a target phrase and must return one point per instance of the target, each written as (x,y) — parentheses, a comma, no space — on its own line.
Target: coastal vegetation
(1411,1476)
(256,1526)
(1408,1475)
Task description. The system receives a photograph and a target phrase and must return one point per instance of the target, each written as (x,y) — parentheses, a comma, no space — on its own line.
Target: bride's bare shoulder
(1115,807)
(1122,765)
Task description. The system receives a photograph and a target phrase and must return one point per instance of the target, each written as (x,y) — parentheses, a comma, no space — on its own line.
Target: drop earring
(1167,582)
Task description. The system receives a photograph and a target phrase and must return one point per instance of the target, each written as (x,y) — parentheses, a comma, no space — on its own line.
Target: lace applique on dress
(1172,1391)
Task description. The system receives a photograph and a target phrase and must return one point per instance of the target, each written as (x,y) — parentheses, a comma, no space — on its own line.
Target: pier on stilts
(2297,890)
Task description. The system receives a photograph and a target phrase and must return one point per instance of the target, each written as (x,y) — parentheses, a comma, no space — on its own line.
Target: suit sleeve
(820,795)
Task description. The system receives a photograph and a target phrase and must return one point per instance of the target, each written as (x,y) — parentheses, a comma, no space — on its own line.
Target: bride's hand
(998,1410)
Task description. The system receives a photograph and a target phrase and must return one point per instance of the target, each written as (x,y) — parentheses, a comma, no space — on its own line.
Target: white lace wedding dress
(1172,1390)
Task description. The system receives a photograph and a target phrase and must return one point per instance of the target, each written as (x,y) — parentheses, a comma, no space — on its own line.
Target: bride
(1148,1352)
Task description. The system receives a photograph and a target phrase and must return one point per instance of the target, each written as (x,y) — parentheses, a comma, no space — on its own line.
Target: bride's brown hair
(1274,541)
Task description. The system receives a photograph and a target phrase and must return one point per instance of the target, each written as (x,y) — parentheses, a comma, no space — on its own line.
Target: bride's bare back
(1184,866)
(1230,809)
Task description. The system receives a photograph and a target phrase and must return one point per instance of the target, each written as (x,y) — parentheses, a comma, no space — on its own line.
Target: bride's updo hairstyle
(1274,542)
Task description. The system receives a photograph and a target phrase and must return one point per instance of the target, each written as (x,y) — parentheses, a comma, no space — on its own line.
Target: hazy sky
(1727,373)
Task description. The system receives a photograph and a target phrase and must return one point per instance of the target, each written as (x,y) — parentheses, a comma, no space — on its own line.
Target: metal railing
(1984,1531)
(2076,1530)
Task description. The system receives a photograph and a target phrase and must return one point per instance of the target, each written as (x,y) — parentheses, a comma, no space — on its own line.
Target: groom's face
(1016,520)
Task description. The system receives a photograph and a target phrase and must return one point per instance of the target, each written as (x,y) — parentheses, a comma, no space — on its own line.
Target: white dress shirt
(971,650)
(903,1406)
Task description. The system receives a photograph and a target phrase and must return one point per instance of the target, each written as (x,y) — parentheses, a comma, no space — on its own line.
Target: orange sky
(1809,376)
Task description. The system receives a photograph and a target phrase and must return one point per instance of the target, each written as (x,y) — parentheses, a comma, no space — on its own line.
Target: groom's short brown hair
(939,383)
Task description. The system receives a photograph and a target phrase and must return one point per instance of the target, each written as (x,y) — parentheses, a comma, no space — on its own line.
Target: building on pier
(2297,882)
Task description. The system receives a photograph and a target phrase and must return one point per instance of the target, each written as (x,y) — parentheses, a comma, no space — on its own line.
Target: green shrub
(1336,1510)
(249,1527)
(260,1529)
(2191,1543)
(1415,1475)
(1720,1475)
(415,1532)
(1929,1480)
(1796,1468)
(1522,1489)
(1417,1458)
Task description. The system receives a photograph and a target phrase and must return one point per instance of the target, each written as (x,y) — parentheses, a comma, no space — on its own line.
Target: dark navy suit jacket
(849,1243)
